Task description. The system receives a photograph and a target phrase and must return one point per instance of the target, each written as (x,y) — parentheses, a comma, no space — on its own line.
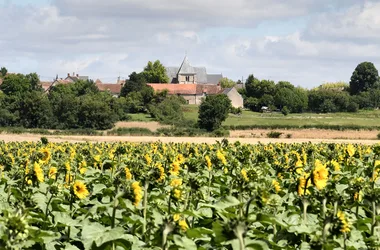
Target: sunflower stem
(324,201)
(145,206)
(373,218)
(335,208)
(71,208)
(305,204)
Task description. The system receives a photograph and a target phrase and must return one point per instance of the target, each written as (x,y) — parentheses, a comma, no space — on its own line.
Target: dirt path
(35,137)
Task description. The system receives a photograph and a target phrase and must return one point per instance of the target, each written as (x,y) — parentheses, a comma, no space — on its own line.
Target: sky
(305,42)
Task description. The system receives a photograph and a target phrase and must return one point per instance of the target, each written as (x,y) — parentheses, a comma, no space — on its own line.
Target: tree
(3,71)
(35,111)
(213,111)
(227,83)
(168,111)
(256,88)
(95,112)
(15,84)
(364,78)
(155,73)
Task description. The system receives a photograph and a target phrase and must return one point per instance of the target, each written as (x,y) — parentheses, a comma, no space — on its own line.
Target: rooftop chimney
(73,73)
(68,74)
(77,75)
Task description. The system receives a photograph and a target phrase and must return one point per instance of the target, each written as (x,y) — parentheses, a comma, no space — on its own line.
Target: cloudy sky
(306,42)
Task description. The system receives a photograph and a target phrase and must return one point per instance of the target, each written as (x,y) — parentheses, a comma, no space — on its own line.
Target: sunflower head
(80,190)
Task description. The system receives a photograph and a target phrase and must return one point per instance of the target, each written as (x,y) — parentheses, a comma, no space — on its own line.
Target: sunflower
(350,150)
(53,172)
(320,175)
(344,225)
(243,173)
(175,168)
(208,162)
(80,189)
(221,157)
(303,184)
(176,217)
(276,186)
(183,225)
(176,182)
(137,192)
(148,159)
(162,173)
(177,194)
(128,174)
(46,155)
(38,172)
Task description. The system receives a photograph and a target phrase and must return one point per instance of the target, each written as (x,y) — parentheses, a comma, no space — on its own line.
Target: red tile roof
(112,87)
(186,89)
(46,85)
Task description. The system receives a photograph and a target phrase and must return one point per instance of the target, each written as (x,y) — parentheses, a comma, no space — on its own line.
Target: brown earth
(308,134)
(55,138)
(152,126)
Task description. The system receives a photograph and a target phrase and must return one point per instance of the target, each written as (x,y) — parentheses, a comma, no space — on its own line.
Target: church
(187,74)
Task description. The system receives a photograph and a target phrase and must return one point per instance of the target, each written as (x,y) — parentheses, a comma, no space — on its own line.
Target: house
(75,77)
(237,100)
(193,93)
(113,88)
(187,74)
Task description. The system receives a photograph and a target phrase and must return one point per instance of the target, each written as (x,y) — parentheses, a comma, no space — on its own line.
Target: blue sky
(306,42)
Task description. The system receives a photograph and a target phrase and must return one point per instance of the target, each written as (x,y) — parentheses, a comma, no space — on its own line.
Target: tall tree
(155,72)
(256,88)
(227,83)
(364,77)
(3,71)
(213,111)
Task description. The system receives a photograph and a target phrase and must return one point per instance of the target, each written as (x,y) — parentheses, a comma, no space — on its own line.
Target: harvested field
(36,137)
(308,134)
(152,126)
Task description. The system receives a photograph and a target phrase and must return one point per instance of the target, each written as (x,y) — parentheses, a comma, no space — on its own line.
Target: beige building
(237,100)
(193,93)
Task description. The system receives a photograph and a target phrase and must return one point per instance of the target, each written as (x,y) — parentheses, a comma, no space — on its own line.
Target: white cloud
(107,38)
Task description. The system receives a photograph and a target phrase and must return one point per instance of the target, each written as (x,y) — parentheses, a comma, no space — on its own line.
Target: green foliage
(95,113)
(3,71)
(236,111)
(168,111)
(155,72)
(274,134)
(35,111)
(213,111)
(285,111)
(44,140)
(256,88)
(352,107)
(252,103)
(130,131)
(227,83)
(328,101)
(364,78)
(337,86)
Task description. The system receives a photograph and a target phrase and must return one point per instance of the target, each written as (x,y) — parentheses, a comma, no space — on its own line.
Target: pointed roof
(186,67)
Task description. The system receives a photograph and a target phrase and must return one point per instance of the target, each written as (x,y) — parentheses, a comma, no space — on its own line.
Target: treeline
(363,92)
(78,105)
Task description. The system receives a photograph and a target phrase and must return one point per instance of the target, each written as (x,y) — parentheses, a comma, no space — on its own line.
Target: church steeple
(186,68)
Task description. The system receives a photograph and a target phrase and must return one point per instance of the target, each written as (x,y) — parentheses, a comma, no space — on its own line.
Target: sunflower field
(189,196)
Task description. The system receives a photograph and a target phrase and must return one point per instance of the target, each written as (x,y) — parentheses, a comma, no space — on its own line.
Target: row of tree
(362,92)
(23,102)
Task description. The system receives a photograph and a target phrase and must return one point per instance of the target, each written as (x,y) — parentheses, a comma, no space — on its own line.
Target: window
(187,78)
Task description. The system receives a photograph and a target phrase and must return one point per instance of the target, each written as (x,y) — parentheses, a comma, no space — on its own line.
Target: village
(191,83)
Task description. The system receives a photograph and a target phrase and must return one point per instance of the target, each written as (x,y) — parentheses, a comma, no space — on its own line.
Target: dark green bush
(274,134)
